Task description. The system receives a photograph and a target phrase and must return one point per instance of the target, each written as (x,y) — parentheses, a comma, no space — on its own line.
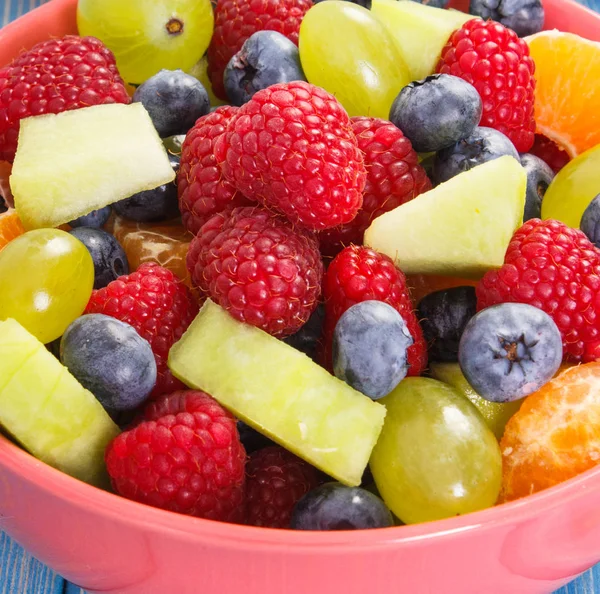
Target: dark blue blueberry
(110,359)
(265,59)
(539,176)
(251,439)
(152,206)
(308,337)
(333,506)
(95,219)
(524,17)
(369,348)
(174,100)
(110,260)
(436,112)
(510,350)
(484,144)
(590,221)
(443,316)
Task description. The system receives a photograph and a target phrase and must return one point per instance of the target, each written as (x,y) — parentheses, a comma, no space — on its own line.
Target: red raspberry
(158,305)
(256,265)
(54,76)
(292,148)
(394,177)
(548,151)
(361,274)
(185,457)
(497,63)
(236,20)
(275,481)
(557,269)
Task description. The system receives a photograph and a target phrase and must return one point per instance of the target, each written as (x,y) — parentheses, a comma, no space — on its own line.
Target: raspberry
(254,264)
(550,152)
(360,274)
(394,177)
(497,63)
(557,269)
(202,190)
(236,20)
(292,148)
(55,76)
(158,305)
(185,457)
(275,481)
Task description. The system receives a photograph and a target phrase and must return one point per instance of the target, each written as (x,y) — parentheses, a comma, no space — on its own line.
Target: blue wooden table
(20,573)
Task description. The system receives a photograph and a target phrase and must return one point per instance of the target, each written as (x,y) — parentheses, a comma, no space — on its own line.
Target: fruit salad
(253,273)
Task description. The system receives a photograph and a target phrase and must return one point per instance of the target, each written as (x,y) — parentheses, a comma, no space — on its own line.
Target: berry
(333,506)
(201,188)
(394,177)
(95,219)
(275,481)
(258,267)
(55,76)
(185,457)
(360,274)
(292,148)
(497,63)
(436,112)
(554,268)
(539,176)
(590,221)
(444,315)
(110,359)
(110,260)
(370,342)
(364,3)
(266,58)
(158,305)
(308,338)
(174,100)
(549,152)
(237,20)
(510,350)
(524,17)
(251,439)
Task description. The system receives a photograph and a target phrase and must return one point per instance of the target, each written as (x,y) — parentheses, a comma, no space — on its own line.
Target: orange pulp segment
(10,227)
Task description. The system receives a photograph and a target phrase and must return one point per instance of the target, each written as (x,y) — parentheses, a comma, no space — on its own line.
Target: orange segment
(421,285)
(555,435)
(567,94)
(10,227)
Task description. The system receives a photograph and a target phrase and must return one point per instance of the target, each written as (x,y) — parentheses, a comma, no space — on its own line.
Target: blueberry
(174,100)
(484,144)
(95,219)
(152,206)
(436,112)
(369,348)
(251,439)
(590,221)
(509,350)
(443,316)
(265,59)
(333,506)
(539,176)
(434,3)
(308,337)
(524,17)
(110,359)
(110,260)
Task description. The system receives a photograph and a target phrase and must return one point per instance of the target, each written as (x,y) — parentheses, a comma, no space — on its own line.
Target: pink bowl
(108,544)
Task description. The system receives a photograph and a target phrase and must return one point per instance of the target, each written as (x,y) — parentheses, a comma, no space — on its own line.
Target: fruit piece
(55,76)
(556,269)
(174,100)
(574,124)
(539,177)
(10,227)
(497,63)
(118,154)
(335,507)
(146,38)
(96,219)
(419,32)
(369,348)
(266,58)
(192,462)
(436,112)
(366,74)
(421,285)
(482,207)
(426,417)
(318,417)
(46,279)
(524,17)
(549,152)
(308,338)
(110,359)
(47,411)
(496,414)
(590,221)
(554,436)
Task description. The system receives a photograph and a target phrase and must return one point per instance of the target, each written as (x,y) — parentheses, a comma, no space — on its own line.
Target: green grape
(46,279)
(348,52)
(436,458)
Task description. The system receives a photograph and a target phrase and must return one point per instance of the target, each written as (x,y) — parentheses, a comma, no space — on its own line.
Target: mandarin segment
(10,227)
